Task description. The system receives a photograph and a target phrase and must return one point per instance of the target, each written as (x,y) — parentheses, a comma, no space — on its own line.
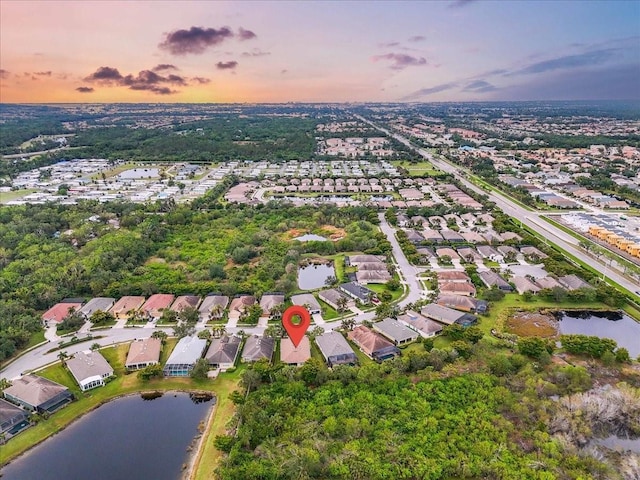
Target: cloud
(4,74)
(417,38)
(479,86)
(164,66)
(201,80)
(256,52)
(146,80)
(587,59)
(461,3)
(389,45)
(195,40)
(85,89)
(400,61)
(423,92)
(227,65)
(43,74)
(246,34)
(284,71)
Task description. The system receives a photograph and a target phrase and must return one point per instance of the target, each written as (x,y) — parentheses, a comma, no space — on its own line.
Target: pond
(127,438)
(137,173)
(314,276)
(310,237)
(614,442)
(617,326)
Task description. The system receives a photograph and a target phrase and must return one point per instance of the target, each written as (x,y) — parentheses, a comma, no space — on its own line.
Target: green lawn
(328,312)
(14,195)
(379,288)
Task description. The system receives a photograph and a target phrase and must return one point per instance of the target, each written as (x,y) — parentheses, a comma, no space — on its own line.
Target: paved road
(526,217)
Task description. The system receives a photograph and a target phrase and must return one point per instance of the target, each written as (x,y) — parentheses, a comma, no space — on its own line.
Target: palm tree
(62,356)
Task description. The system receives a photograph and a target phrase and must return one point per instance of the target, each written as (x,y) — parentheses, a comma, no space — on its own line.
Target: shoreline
(195,456)
(94,407)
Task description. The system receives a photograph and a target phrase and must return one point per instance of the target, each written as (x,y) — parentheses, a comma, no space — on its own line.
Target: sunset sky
(278,51)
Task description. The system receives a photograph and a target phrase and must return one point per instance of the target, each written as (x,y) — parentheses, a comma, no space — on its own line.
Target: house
(185,301)
(547,282)
(373,345)
(292,355)
(364,277)
(523,284)
(532,252)
(447,316)
(573,282)
(490,253)
(469,254)
(462,303)
(425,327)
(156,304)
(59,312)
(473,237)
(357,292)
(142,353)
(269,301)
(431,236)
(184,357)
(38,394)
(333,298)
(256,348)
(223,352)
(395,331)
(102,304)
(89,369)
(308,301)
(12,418)
(414,237)
(492,279)
(126,305)
(453,276)
(335,349)
(239,305)
(213,306)
(357,260)
(447,252)
(451,236)
(457,288)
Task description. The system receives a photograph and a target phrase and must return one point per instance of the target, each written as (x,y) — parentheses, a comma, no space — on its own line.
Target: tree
(95,346)
(204,334)
(348,324)
(4,383)
(315,332)
(62,356)
(534,347)
(151,371)
(184,329)
(100,318)
(622,355)
(168,316)
(274,331)
(189,315)
(160,335)
(473,334)
(331,281)
(453,331)
(341,303)
(218,331)
(200,370)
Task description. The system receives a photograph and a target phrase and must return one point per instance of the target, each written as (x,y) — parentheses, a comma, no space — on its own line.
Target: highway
(529,218)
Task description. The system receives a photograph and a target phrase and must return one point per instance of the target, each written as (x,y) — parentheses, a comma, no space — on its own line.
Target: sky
(318,51)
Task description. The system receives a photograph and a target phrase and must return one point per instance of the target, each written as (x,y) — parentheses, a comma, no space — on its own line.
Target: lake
(617,326)
(314,276)
(123,439)
(310,237)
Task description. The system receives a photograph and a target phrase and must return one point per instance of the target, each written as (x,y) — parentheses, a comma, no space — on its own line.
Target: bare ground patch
(532,324)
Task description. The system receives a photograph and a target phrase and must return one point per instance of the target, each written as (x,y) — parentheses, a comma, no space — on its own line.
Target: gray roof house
(11,418)
(332,296)
(38,394)
(89,368)
(309,300)
(257,348)
(357,291)
(446,315)
(424,326)
(98,303)
(184,357)
(335,349)
(365,277)
(573,282)
(223,352)
(492,279)
(270,300)
(523,284)
(213,306)
(142,353)
(547,282)
(395,331)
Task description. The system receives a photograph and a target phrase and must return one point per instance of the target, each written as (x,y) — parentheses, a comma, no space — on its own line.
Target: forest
(50,252)
(490,413)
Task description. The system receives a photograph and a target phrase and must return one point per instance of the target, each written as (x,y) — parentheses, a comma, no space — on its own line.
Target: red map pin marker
(296,331)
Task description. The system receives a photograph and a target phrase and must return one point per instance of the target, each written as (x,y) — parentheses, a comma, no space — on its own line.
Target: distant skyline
(280,51)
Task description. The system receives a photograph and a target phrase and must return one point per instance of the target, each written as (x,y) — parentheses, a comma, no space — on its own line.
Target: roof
(394,330)
(331,294)
(126,304)
(523,284)
(144,351)
(373,266)
(8,411)
(491,279)
(355,260)
(257,348)
(211,301)
(441,314)
(270,300)
(185,301)
(368,340)
(420,323)
(223,349)
(187,351)
(373,276)
(88,364)
(98,303)
(459,302)
(333,344)
(158,302)
(452,276)
(59,311)
(532,251)
(306,299)
(460,287)
(356,290)
(241,302)
(573,282)
(291,354)
(547,282)
(34,390)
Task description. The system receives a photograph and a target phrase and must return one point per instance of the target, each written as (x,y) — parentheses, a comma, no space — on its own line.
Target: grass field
(14,195)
